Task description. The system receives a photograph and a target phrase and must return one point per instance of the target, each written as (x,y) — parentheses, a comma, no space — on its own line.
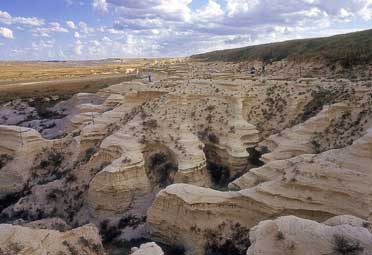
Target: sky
(97,29)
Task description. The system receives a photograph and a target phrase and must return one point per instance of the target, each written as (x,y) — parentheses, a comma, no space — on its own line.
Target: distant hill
(347,50)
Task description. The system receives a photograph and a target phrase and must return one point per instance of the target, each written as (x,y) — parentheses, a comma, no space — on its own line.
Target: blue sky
(95,29)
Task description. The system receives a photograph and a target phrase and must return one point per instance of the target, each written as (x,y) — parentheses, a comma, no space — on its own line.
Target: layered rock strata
(316,187)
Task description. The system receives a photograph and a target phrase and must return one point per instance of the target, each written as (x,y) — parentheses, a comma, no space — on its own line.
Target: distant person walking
(149,77)
(263,68)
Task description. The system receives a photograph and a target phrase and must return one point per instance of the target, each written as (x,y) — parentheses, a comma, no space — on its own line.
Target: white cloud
(366,11)
(72,2)
(56,27)
(96,43)
(167,26)
(43,45)
(343,13)
(78,47)
(6,18)
(6,33)
(106,39)
(100,5)
(175,27)
(71,24)
(114,31)
(235,7)
(176,10)
(29,21)
(210,11)
(84,28)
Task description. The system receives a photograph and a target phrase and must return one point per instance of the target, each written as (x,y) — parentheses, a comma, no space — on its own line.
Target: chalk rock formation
(292,235)
(20,140)
(21,146)
(151,129)
(348,220)
(336,126)
(316,187)
(186,215)
(48,223)
(318,181)
(147,249)
(23,240)
(298,139)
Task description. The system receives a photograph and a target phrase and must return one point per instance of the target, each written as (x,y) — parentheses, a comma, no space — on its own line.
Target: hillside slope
(347,49)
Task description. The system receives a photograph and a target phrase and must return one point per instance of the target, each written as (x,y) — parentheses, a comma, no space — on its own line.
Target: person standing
(149,77)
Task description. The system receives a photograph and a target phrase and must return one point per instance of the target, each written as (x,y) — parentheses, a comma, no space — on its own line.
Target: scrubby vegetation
(88,154)
(322,96)
(91,245)
(108,232)
(220,174)
(43,106)
(347,50)
(54,160)
(209,136)
(160,169)
(346,246)
(237,244)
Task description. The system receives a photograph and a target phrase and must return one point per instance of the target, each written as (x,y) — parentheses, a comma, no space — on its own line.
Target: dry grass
(35,79)
(16,71)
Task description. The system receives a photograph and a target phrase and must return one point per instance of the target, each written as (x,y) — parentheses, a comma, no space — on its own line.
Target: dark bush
(213,138)
(91,245)
(131,221)
(42,108)
(53,194)
(236,245)
(344,246)
(160,169)
(88,154)
(316,146)
(70,178)
(280,236)
(108,233)
(220,174)
(226,248)
(151,123)
(172,250)
(54,159)
(158,159)
(207,134)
